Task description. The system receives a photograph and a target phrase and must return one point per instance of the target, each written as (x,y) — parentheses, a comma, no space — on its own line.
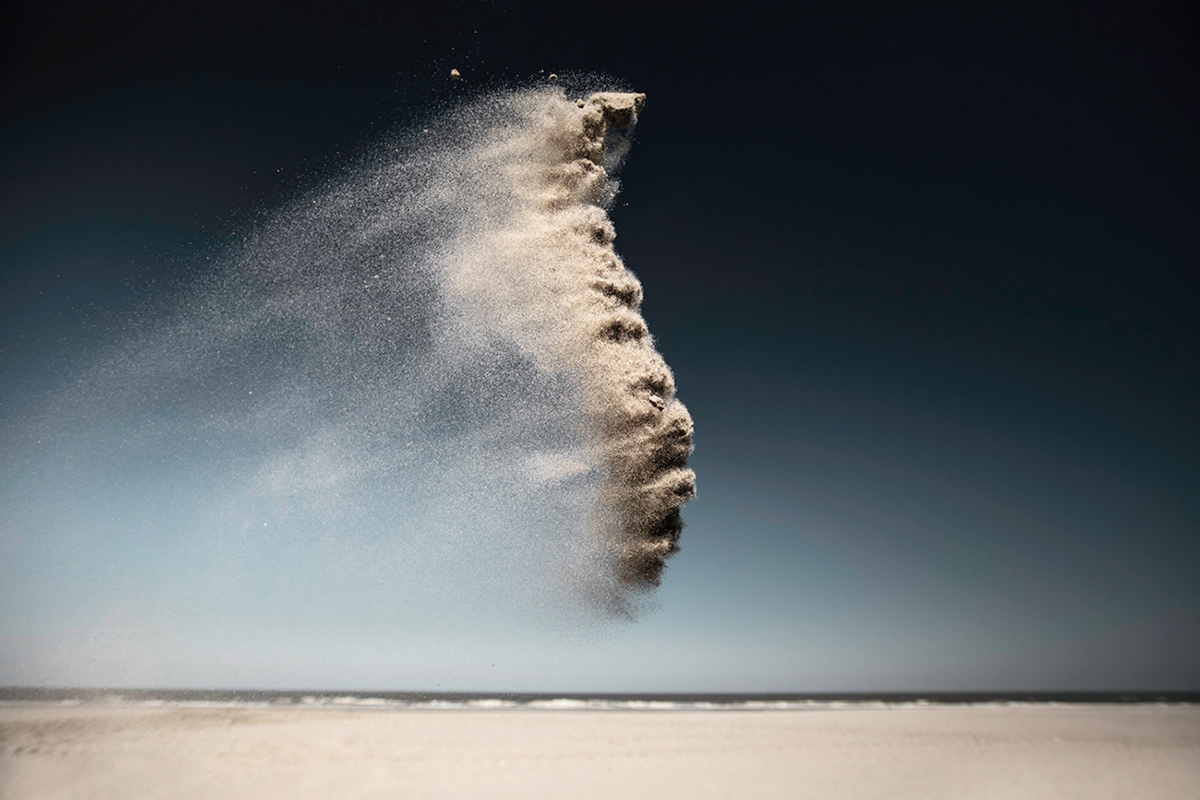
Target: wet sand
(1026,752)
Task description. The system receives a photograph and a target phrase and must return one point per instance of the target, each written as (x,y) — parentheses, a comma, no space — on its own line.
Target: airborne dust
(424,387)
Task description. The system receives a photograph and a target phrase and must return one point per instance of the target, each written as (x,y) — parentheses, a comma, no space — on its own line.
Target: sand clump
(550,278)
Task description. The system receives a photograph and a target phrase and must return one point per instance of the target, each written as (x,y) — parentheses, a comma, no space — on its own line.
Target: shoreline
(596,700)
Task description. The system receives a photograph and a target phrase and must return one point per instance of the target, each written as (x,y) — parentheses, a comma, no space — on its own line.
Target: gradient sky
(926,275)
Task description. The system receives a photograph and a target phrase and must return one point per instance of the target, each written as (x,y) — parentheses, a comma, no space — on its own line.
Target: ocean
(570,701)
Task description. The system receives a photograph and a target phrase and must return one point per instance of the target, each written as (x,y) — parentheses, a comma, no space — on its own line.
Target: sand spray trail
(520,283)
(423,387)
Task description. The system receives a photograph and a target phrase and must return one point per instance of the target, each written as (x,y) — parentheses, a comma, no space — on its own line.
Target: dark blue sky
(926,274)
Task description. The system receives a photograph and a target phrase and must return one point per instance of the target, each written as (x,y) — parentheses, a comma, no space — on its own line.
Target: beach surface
(1028,752)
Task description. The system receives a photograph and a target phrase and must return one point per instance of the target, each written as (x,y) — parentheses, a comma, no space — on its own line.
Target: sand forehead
(1088,752)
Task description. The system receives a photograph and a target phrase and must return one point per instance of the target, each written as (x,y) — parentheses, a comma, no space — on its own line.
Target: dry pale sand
(1090,752)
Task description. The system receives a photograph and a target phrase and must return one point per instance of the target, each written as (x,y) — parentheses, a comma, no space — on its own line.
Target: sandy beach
(1091,752)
